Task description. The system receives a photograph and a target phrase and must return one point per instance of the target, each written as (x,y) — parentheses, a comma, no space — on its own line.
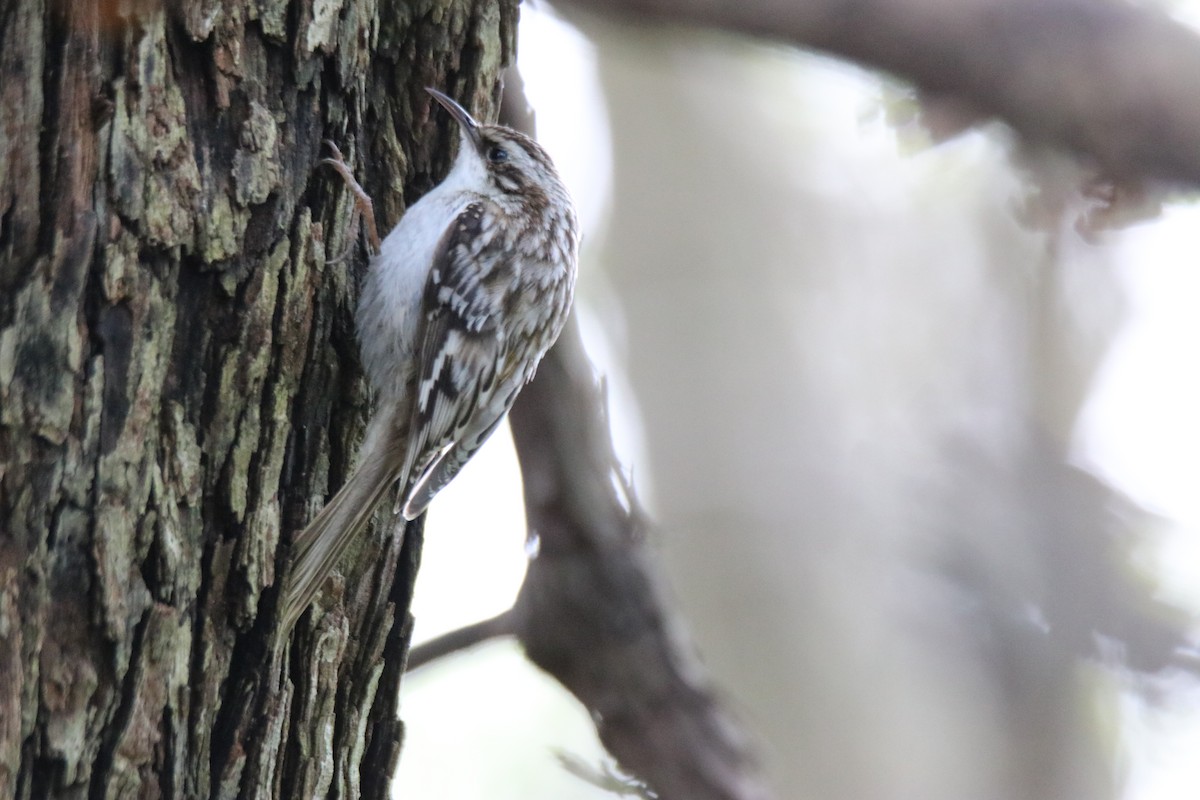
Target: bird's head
(508,161)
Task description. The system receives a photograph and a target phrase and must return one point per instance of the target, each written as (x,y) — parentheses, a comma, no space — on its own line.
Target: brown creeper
(464,297)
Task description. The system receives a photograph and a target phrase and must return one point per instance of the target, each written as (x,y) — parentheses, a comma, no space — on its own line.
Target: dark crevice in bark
(152,565)
(193,69)
(242,701)
(170,754)
(35,782)
(262,232)
(256,715)
(113,330)
(120,719)
(186,375)
(7,242)
(196,673)
(383,749)
(55,46)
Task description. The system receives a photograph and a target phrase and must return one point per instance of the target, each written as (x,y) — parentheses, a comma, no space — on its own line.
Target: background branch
(1114,81)
(459,639)
(589,611)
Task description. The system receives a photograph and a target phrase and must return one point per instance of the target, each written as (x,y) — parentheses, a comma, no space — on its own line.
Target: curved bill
(469,126)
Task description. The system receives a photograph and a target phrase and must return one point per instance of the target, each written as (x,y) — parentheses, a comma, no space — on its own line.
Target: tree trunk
(180,388)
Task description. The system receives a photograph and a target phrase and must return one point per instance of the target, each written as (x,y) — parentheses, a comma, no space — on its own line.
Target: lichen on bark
(179,387)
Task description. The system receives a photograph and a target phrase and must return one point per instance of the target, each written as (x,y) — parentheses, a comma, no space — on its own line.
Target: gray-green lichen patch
(120,266)
(243,374)
(215,646)
(318,34)
(300,283)
(133,387)
(158,684)
(270,753)
(200,17)
(21,135)
(358,715)
(357,35)
(80,454)
(256,556)
(491,52)
(319,705)
(137,336)
(298,267)
(395,167)
(272,16)
(123,593)
(176,491)
(152,169)
(69,690)
(221,228)
(41,352)
(256,169)
(183,468)
(231,775)
(12,677)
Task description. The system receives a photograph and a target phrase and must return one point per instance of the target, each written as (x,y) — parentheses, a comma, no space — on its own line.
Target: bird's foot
(363,207)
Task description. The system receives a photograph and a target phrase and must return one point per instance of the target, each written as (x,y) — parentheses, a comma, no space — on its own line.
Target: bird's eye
(497,155)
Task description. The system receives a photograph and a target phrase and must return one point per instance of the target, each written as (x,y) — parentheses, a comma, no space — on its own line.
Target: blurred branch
(590,613)
(1117,81)
(460,639)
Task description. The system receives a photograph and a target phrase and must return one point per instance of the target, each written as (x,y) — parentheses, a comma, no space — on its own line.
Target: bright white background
(486,724)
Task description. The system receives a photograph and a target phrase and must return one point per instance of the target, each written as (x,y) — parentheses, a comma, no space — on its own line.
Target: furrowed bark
(179,386)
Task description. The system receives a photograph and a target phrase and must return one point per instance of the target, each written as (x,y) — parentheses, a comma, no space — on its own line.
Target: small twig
(461,639)
(363,205)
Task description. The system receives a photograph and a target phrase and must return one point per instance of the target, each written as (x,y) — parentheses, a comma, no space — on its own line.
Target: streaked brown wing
(462,348)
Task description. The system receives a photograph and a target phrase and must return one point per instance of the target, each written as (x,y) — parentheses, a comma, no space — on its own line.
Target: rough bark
(179,386)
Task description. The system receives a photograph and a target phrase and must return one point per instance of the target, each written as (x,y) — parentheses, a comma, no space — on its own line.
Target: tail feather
(435,478)
(319,546)
(443,470)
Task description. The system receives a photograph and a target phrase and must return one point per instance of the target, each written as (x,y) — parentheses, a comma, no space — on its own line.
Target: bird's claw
(363,206)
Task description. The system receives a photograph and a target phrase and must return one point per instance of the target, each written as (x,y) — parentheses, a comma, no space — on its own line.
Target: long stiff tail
(319,546)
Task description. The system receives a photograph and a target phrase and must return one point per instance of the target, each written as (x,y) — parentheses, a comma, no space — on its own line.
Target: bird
(459,304)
